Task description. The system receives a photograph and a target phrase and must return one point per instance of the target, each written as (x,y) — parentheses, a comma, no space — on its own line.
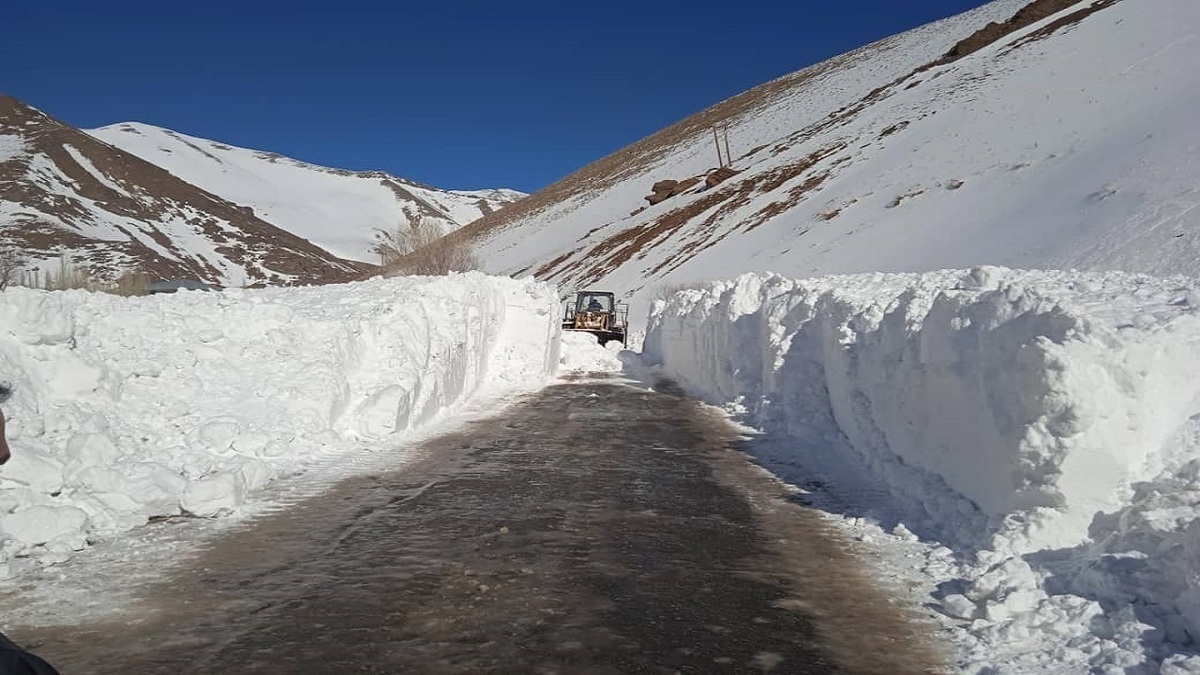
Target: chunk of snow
(213,496)
(41,524)
(582,352)
(959,606)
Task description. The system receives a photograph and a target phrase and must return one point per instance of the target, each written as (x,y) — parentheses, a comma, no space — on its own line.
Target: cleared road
(593,527)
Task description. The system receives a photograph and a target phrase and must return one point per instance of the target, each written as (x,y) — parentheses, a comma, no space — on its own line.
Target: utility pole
(727,159)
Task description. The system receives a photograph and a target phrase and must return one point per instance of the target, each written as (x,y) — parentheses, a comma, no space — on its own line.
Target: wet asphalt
(592,527)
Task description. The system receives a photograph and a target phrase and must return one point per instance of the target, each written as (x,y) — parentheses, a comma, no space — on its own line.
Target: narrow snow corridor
(592,527)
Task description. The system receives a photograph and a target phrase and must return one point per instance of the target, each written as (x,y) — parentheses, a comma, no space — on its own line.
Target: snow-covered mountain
(1056,134)
(341,211)
(65,192)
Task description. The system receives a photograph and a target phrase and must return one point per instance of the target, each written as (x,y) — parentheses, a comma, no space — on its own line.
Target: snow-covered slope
(64,192)
(1068,142)
(341,211)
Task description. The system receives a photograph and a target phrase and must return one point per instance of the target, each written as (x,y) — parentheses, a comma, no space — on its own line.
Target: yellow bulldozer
(598,313)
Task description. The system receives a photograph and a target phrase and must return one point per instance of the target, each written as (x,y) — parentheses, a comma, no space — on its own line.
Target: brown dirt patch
(993,32)
(1063,22)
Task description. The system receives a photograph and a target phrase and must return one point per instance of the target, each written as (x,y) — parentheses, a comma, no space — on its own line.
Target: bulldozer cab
(594,302)
(598,313)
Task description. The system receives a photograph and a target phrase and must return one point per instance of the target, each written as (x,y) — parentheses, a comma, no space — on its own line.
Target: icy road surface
(594,527)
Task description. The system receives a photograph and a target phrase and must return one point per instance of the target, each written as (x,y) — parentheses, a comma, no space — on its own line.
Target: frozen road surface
(592,527)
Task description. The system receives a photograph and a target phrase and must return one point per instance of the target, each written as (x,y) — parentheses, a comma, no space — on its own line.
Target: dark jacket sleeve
(17,661)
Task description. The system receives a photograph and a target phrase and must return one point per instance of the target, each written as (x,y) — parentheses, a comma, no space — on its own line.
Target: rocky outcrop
(717,176)
(665,189)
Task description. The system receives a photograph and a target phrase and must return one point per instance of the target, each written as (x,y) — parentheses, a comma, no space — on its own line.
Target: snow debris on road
(1027,442)
(582,353)
(127,409)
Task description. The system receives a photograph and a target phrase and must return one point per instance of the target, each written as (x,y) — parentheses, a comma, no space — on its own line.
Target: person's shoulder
(17,661)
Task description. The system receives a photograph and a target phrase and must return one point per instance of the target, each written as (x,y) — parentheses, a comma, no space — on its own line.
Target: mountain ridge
(65,192)
(341,210)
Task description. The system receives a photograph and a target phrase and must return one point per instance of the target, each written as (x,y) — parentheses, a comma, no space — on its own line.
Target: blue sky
(459,95)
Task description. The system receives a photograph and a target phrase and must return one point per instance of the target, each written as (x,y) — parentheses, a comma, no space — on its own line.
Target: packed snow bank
(1038,418)
(1041,398)
(129,408)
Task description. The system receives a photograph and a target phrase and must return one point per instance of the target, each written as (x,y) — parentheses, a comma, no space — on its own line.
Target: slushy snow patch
(1038,428)
(184,404)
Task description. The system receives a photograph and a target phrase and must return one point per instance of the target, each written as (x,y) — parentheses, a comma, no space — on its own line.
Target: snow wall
(128,408)
(1004,411)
